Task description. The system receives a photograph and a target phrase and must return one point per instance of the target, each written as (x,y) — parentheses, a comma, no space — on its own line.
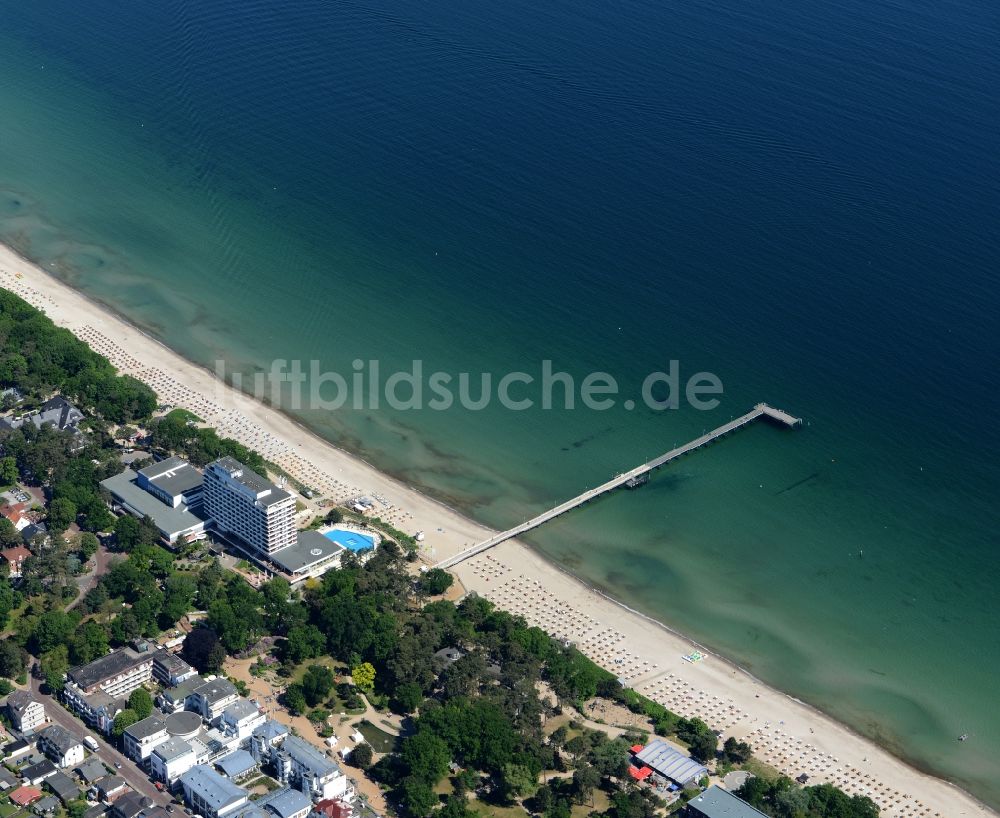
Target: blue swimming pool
(351,540)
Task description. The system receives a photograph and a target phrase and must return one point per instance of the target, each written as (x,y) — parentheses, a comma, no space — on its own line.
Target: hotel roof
(241,709)
(174,475)
(215,690)
(169,520)
(147,727)
(267,493)
(271,730)
(173,747)
(285,802)
(236,764)
(671,763)
(106,667)
(308,756)
(310,548)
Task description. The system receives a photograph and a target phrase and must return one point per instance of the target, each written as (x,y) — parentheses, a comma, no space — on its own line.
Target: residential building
(174,757)
(140,738)
(60,745)
(130,805)
(175,698)
(35,774)
(110,788)
(284,803)
(91,770)
(62,787)
(715,802)
(23,796)
(244,505)
(210,794)
(238,766)
(17,515)
(299,764)
(26,712)
(170,670)
(97,811)
(15,557)
(240,719)
(117,673)
(7,780)
(46,805)
(97,709)
(266,738)
(211,698)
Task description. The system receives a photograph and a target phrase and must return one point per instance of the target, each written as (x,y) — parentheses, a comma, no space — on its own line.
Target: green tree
(317,683)
(141,703)
(436,581)
(88,643)
(54,666)
(62,513)
(13,659)
(88,545)
(417,797)
(517,781)
(364,677)
(361,756)
(123,721)
(295,700)
(8,472)
(585,780)
(304,642)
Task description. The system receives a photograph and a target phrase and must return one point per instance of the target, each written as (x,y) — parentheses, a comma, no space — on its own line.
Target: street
(133,775)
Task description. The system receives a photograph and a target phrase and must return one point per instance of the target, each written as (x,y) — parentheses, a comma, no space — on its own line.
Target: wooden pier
(630,478)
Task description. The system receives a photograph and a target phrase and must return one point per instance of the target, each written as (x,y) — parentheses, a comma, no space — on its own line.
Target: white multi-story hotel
(244,504)
(116,674)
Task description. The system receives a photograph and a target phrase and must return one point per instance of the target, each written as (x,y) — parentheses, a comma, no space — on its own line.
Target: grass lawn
(380,740)
(494,811)
(8,809)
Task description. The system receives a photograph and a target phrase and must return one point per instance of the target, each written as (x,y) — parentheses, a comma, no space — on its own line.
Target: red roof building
(23,796)
(15,557)
(17,514)
(333,809)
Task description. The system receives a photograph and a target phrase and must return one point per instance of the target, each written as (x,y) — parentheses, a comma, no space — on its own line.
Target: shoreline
(785,732)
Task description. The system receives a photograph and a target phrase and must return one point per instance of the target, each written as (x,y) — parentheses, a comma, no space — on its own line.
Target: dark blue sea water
(801,198)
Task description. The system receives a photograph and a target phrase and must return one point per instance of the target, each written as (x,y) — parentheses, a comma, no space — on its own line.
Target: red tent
(639,773)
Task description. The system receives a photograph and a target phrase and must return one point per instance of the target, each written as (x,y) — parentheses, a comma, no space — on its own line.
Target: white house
(60,745)
(240,719)
(26,712)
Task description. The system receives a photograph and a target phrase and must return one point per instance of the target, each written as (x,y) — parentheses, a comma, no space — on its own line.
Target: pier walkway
(761,410)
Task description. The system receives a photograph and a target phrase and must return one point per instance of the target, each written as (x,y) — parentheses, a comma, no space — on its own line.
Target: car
(118,766)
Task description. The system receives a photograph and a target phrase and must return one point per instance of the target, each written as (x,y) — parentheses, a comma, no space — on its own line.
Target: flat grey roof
(147,727)
(671,763)
(285,802)
(308,756)
(310,547)
(174,475)
(214,789)
(716,802)
(241,708)
(253,481)
(215,690)
(172,748)
(171,521)
(236,763)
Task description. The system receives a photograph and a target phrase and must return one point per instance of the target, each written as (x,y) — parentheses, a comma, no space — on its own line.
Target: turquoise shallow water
(802,201)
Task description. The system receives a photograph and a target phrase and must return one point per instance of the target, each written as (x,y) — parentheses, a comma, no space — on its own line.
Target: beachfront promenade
(761,410)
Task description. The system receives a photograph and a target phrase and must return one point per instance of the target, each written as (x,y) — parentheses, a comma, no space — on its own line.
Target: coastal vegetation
(475,685)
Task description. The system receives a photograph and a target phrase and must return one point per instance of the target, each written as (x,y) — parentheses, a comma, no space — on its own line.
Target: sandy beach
(784,733)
